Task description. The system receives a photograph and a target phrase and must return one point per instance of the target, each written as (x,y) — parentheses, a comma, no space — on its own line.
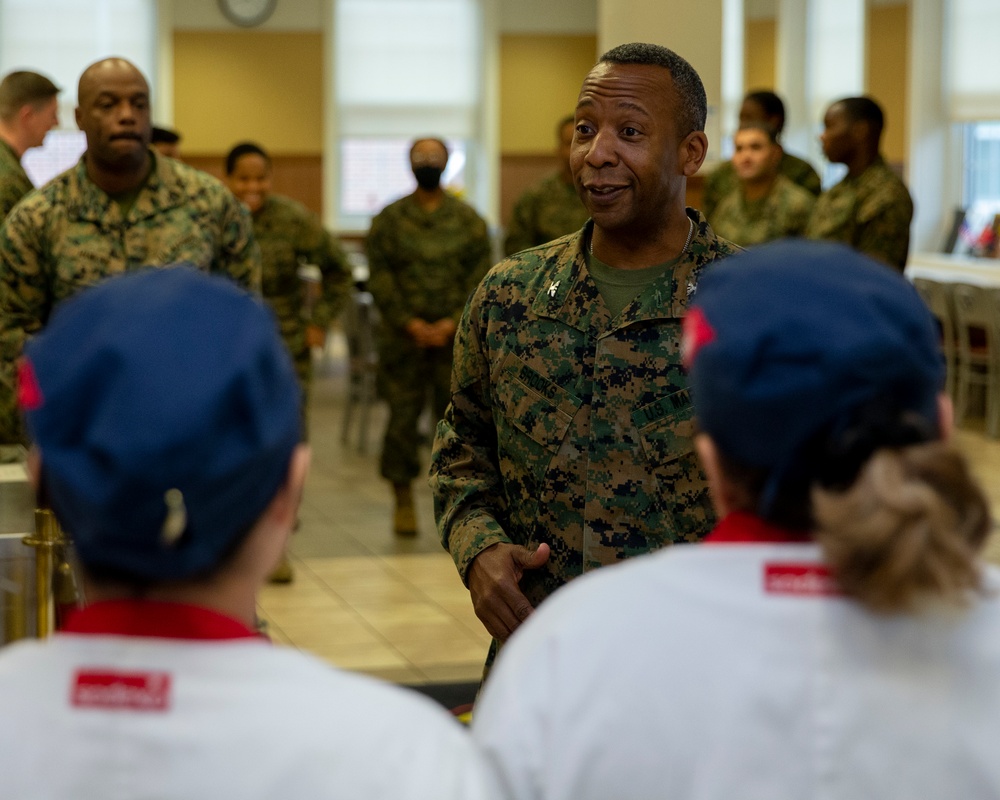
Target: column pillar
(695,31)
(163,99)
(331,130)
(934,160)
(820,57)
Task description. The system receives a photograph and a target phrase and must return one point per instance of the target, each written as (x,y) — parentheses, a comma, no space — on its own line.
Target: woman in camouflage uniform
(290,236)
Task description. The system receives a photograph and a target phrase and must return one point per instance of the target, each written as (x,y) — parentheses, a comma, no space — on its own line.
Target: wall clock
(247,13)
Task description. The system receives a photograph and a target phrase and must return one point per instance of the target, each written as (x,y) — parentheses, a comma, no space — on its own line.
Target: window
(60,38)
(60,151)
(980,186)
(404,69)
(981,182)
(374,172)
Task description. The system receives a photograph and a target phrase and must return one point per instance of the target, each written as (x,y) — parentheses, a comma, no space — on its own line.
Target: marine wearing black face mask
(426,252)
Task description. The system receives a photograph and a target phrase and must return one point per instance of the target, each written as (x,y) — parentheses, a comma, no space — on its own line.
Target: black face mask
(428,178)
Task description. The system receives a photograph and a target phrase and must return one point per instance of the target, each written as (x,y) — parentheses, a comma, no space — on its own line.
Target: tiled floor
(395,608)
(363,598)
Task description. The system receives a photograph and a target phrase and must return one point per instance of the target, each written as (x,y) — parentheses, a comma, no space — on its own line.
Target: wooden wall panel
(518,172)
(298,177)
(301,178)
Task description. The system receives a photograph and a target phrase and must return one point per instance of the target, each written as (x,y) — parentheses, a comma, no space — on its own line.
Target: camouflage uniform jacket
(425,264)
(722,180)
(289,235)
(70,234)
(784,211)
(871,212)
(543,213)
(14,181)
(567,426)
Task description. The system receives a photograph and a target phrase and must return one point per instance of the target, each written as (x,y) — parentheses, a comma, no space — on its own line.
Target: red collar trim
(156,619)
(744,527)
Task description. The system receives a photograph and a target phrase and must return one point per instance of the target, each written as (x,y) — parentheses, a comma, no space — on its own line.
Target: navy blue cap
(166,409)
(788,338)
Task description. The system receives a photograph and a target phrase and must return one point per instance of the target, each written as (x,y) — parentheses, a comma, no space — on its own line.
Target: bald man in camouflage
(120,208)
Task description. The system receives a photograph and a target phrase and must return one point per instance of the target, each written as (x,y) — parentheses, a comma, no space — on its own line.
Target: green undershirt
(125,200)
(619,287)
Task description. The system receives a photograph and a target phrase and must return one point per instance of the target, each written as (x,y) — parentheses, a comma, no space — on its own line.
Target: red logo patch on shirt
(799,579)
(127,691)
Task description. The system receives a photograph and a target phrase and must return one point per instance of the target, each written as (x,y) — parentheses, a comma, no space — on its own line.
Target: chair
(938,297)
(977,326)
(360,322)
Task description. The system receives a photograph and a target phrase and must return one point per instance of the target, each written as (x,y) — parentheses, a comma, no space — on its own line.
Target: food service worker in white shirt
(836,636)
(165,415)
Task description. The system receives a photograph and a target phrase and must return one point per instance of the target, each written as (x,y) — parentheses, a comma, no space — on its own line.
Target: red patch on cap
(29,393)
(697,333)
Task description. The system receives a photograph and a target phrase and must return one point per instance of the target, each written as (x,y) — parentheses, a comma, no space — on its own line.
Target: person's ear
(718,487)
(946,417)
(692,151)
(284,508)
(34,467)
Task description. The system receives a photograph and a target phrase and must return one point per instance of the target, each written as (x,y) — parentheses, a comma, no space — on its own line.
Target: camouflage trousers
(409,379)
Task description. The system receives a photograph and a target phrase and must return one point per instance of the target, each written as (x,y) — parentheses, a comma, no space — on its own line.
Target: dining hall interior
(336,90)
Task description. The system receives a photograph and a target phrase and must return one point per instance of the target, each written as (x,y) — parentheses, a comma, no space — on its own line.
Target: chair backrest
(977,308)
(360,321)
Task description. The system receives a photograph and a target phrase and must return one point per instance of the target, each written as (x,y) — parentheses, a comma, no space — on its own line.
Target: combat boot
(404,519)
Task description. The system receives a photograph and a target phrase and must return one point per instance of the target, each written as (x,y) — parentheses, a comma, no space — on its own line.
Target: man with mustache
(119,208)
(568,442)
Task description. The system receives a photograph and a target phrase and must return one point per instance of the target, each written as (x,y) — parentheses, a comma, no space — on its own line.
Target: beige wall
(887,62)
(758,48)
(264,86)
(887,58)
(540,78)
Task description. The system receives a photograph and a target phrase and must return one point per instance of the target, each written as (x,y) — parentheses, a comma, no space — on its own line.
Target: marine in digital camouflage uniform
(570,427)
(290,235)
(423,266)
(70,234)
(762,107)
(871,212)
(14,181)
(28,111)
(552,208)
(871,208)
(722,181)
(765,205)
(543,213)
(783,212)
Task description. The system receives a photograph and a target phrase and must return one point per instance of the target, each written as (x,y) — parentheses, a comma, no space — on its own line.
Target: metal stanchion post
(47,537)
